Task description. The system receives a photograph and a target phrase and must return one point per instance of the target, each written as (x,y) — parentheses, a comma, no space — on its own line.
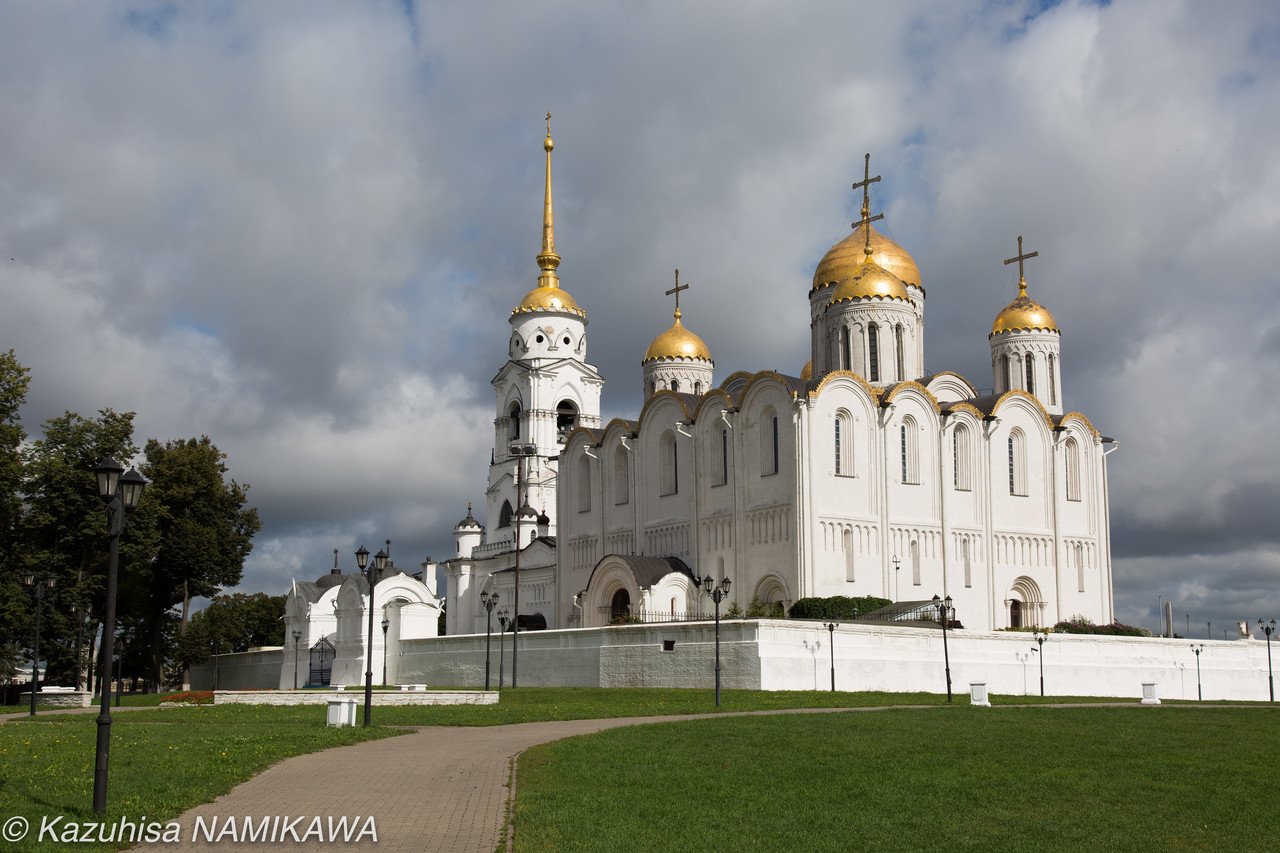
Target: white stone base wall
(61,699)
(381,698)
(241,671)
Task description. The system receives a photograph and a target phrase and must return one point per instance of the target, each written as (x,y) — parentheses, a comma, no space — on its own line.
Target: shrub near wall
(1082,625)
(836,607)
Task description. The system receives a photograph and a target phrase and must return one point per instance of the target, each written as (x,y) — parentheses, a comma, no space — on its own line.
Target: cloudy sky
(299,228)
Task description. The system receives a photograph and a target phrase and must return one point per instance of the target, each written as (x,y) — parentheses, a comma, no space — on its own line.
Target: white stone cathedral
(861,476)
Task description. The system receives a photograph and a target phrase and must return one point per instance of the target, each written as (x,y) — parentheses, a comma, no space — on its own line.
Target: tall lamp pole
(1040,637)
(297,638)
(1198,649)
(371,574)
(831,637)
(718,594)
(490,601)
(945,613)
(38,589)
(520,451)
(502,644)
(121,492)
(1269,629)
(386,623)
(79,617)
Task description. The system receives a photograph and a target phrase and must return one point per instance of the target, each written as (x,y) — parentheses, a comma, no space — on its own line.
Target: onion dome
(807,372)
(1024,314)
(527,512)
(844,258)
(468,523)
(869,281)
(335,577)
(548,296)
(544,520)
(677,342)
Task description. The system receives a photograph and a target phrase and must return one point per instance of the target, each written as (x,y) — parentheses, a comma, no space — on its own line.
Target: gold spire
(548,260)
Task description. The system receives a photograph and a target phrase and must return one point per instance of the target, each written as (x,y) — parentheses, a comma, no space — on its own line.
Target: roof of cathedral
(649,570)
(335,577)
(677,342)
(548,296)
(308,590)
(844,258)
(1024,314)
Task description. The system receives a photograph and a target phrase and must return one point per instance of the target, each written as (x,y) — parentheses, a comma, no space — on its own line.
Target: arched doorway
(1015,613)
(620,606)
(321,664)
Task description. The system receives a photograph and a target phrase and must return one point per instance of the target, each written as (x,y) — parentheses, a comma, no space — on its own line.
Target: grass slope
(1096,779)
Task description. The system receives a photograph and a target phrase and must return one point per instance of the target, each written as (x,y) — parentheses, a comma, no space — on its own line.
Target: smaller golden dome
(677,342)
(849,253)
(807,373)
(548,298)
(868,281)
(1024,314)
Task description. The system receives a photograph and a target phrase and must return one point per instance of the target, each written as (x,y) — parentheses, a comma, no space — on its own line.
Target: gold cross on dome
(865,186)
(1021,258)
(548,122)
(675,291)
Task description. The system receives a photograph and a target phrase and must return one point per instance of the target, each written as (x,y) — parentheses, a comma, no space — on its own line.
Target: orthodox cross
(865,186)
(548,122)
(1021,258)
(675,291)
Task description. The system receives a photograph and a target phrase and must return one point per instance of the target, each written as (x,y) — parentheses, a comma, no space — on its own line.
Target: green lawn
(1033,779)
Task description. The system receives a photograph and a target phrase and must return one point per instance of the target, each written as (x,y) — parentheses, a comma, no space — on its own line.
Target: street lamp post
(38,589)
(1198,649)
(502,643)
(831,641)
(490,601)
(121,492)
(521,451)
(1040,637)
(945,614)
(386,623)
(297,638)
(371,574)
(1269,629)
(718,594)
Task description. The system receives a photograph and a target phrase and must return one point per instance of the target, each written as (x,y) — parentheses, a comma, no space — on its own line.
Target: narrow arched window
(1017,463)
(1031,373)
(768,442)
(513,422)
(849,567)
(774,421)
(898,346)
(670,465)
(621,476)
(1007,373)
(844,444)
(846,359)
(724,456)
(1073,469)
(584,483)
(697,388)
(836,434)
(504,515)
(909,441)
(960,459)
(566,418)
(1053,382)
(675,385)
(915,563)
(873,352)
(966,556)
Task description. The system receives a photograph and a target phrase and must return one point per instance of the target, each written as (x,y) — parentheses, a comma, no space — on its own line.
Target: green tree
(203,530)
(14,379)
(232,623)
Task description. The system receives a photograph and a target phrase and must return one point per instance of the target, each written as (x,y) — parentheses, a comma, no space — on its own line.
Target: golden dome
(677,342)
(807,372)
(1023,314)
(548,298)
(842,259)
(869,280)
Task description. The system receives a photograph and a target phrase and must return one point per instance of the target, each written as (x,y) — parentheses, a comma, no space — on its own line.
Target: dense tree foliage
(837,607)
(232,623)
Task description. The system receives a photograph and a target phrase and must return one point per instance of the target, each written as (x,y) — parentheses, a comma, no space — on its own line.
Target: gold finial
(335,558)
(548,260)
(1021,258)
(675,291)
(867,218)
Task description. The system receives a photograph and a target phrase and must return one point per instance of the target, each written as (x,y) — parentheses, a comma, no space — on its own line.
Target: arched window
(513,422)
(848,556)
(619,606)
(909,435)
(670,465)
(898,346)
(1079,567)
(843,434)
(566,418)
(724,456)
(1031,373)
(697,388)
(846,358)
(960,459)
(584,483)
(967,557)
(1015,613)
(653,388)
(1017,463)
(915,563)
(675,385)
(1073,470)
(504,516)
(873,352)
(621,477)
(1006,373)
(769,443)
(1053,382)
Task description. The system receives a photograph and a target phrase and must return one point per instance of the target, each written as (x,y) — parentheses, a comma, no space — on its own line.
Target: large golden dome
(806,373)
(869,280)
(1024,314)
(842,259)
(677,342)
(548,298)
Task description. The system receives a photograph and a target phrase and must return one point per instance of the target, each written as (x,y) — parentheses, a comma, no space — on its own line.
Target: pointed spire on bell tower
(548,260)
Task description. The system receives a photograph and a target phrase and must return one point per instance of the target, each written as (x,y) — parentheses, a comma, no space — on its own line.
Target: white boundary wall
(795,655)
